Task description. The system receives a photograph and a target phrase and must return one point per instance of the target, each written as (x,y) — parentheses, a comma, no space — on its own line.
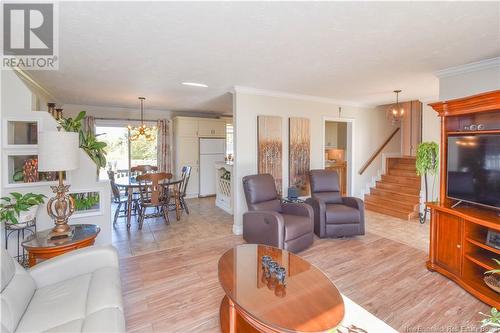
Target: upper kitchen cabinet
(186,126)
(211,128)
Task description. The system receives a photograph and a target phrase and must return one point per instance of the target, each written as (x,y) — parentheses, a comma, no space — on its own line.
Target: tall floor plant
(427,164)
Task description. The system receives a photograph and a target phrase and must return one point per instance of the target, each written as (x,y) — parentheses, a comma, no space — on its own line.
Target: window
(121,153)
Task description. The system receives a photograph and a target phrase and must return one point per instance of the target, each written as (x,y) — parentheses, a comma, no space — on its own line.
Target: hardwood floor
(169,273)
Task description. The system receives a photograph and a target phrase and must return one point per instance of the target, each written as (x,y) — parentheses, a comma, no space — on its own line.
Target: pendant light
(142,129)
(397,111)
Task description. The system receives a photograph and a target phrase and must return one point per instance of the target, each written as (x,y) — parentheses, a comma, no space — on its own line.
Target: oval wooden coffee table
(309,301)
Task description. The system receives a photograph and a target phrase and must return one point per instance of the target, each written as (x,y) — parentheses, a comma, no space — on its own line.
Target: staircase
(398,192)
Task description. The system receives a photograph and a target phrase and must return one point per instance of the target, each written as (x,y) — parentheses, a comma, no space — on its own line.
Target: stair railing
(377,152)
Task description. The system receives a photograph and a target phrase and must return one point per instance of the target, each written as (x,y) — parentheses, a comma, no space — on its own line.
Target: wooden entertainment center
(458,248)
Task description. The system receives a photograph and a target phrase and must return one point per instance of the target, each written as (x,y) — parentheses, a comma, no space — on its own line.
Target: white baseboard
(237,229)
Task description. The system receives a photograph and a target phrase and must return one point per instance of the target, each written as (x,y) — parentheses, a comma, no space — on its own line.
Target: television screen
(474,169)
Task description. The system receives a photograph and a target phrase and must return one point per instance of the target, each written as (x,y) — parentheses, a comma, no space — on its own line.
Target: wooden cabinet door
(219,128)
(449,242)
(188,154)
(211,128)
(186,127)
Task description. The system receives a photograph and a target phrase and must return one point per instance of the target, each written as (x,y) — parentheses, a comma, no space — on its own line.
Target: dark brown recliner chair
(334,215)
(287,226)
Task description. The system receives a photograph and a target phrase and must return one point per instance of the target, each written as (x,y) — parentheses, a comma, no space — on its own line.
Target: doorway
(337,150)
(123,153)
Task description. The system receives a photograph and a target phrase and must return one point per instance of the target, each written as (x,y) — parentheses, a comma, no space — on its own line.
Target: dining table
(131,186)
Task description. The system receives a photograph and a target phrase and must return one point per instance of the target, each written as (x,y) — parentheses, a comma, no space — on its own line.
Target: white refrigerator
(211,151)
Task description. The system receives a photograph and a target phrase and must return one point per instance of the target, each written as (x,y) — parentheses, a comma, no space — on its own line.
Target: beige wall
(470,82)
(457,82)
(370,129)
(72,110)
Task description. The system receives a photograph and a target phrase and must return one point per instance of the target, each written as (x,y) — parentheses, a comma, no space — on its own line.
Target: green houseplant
(427,163)
(88,140)
(19,208)
(492,320)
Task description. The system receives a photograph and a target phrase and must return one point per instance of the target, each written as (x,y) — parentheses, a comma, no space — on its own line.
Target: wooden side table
(39,246)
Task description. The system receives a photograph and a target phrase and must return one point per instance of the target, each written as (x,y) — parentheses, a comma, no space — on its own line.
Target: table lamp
(59,151)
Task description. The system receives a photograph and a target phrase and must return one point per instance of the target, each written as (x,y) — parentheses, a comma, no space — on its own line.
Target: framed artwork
(270,148)
(299,150)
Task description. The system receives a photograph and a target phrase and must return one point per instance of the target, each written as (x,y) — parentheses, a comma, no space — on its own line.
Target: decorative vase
(493,281)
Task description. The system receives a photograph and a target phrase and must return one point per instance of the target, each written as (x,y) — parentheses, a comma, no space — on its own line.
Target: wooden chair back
(186,173)
(114,189)
(151,188)
(142,169)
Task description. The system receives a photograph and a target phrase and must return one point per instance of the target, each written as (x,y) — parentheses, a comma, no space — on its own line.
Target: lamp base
(61,231)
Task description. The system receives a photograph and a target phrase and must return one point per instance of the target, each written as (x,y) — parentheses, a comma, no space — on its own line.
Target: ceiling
(112,52)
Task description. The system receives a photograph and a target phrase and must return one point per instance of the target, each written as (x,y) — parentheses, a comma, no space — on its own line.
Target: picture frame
(493,239)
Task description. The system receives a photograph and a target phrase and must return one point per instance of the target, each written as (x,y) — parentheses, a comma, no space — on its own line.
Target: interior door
(449,242)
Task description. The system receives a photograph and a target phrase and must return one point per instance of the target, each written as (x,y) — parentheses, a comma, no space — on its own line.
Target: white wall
(371,128)
(16,103)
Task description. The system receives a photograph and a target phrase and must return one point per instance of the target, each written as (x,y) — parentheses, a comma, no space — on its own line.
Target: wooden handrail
(379,150)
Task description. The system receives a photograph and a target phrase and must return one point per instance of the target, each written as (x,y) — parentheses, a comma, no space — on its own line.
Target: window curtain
(89,124)
(163,146)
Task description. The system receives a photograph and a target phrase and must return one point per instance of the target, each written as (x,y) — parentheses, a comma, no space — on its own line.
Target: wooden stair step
(401,172)
(396,195)
(402,180)
(390,202)
(403,188)
(403,166)
(402,202)
(404,215)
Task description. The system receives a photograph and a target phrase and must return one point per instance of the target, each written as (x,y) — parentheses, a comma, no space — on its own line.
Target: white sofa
(79,291)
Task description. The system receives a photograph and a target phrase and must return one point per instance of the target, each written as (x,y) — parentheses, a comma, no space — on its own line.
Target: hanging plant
(427,163)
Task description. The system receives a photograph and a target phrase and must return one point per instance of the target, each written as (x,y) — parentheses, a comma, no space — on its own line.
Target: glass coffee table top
(80,232)
(309,301)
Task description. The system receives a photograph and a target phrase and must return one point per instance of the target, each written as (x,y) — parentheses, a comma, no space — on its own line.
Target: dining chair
(120,199)
(153,194)
(185,174)
(142,169)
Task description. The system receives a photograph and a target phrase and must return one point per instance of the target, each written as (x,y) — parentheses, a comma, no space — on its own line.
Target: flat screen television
(474,169)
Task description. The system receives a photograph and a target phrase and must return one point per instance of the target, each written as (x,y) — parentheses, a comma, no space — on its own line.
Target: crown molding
(34,85)
(467,68)
(281,94)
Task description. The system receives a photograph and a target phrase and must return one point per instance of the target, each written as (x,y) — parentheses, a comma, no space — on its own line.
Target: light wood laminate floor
(169,273)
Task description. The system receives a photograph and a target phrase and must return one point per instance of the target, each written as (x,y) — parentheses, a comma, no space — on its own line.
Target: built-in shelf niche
(87,203)
(18,175)
(21,133)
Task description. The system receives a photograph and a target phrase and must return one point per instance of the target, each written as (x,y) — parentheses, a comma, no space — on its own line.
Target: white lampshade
(58,151)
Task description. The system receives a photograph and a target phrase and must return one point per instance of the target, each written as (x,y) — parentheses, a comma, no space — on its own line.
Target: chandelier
(142,129)
(397,111)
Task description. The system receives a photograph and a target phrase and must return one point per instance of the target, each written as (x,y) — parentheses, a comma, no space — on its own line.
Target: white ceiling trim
(467,68)
(282,94)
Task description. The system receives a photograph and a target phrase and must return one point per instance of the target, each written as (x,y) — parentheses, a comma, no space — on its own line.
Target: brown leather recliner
(334,215)
(287,226)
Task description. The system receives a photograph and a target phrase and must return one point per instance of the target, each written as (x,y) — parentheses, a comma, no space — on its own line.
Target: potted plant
(18,208)
(492,277)
(427,163)
(491,320)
